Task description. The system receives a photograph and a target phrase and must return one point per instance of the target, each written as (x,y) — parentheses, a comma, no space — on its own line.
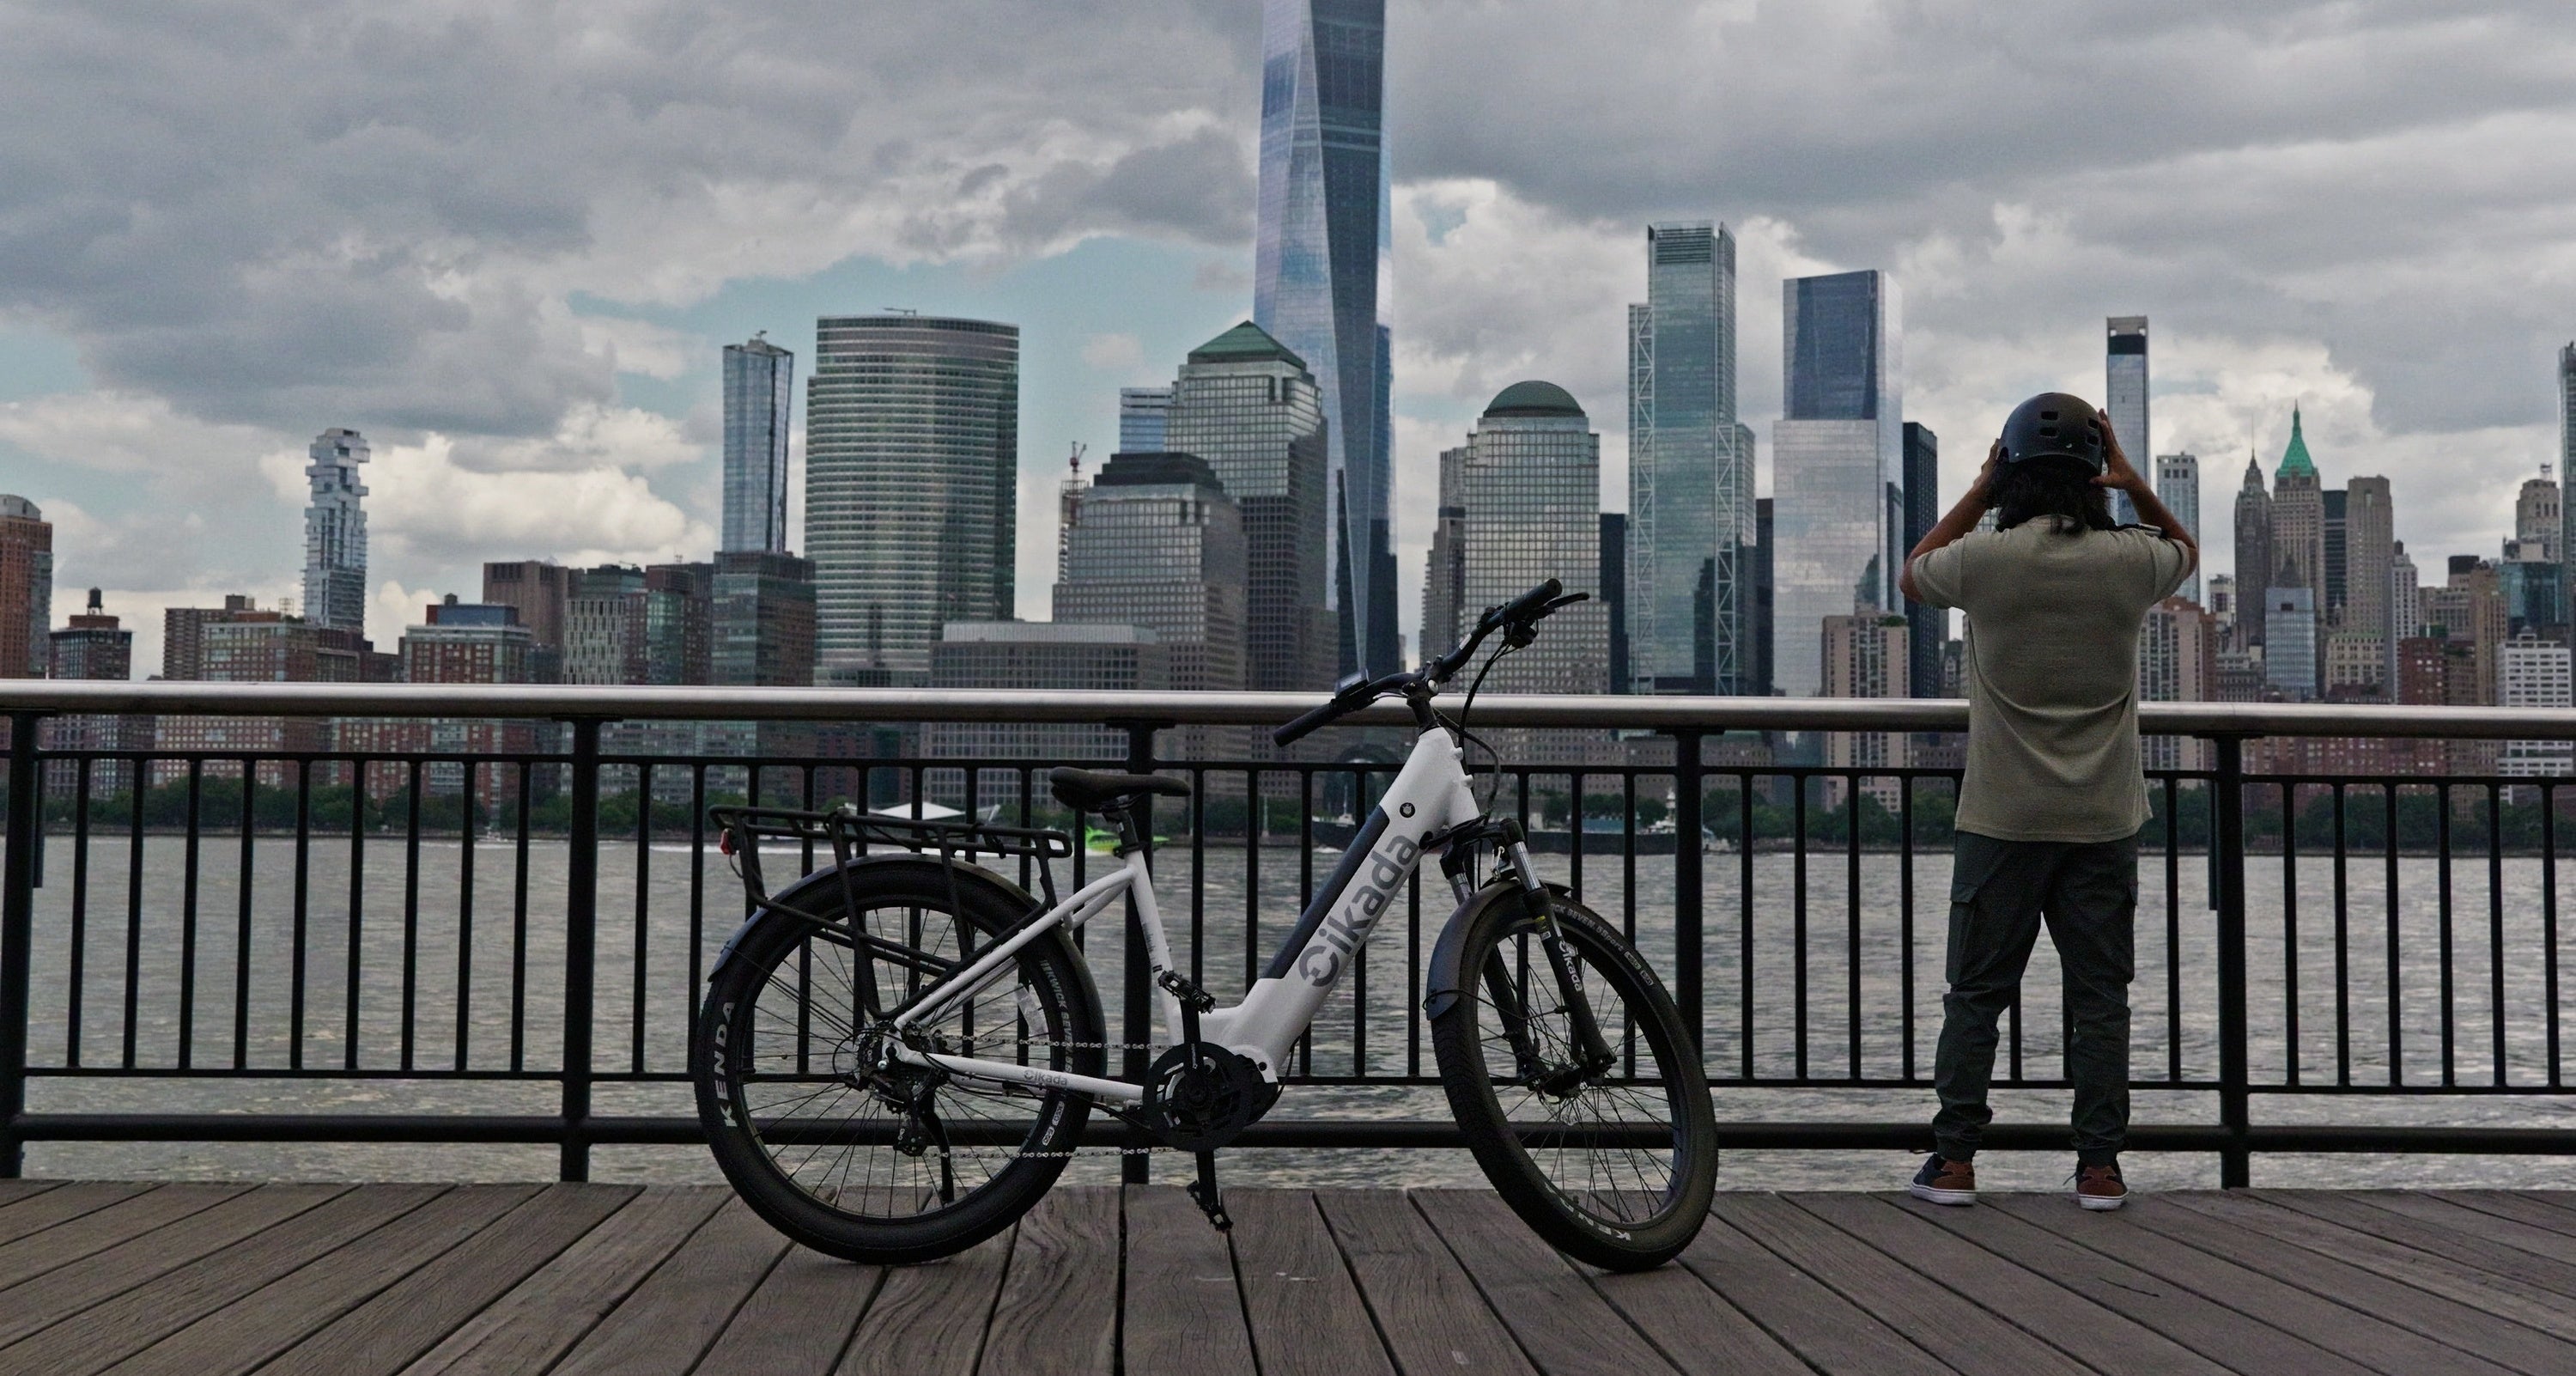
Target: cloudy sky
(506,240)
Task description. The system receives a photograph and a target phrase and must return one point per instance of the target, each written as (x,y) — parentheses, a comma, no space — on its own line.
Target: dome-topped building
(1532,400)
(1520,503)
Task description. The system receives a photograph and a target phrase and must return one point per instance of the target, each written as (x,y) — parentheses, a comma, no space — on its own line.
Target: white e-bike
(898,1053)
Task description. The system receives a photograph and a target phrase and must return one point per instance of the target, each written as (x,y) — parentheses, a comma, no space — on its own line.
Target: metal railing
(186,928)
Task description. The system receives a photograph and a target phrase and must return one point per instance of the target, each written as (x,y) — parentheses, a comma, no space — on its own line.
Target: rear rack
(851,832)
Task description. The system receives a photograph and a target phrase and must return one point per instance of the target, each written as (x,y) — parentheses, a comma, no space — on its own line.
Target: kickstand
(1203,1190)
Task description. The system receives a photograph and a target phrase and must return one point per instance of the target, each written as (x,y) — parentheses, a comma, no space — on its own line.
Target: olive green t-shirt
(2052,673)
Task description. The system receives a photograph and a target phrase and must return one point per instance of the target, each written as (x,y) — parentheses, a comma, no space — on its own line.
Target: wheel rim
(1581,1136)
(862,1135)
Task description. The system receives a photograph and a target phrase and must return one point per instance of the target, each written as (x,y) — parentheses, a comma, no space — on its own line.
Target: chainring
(1202,1107)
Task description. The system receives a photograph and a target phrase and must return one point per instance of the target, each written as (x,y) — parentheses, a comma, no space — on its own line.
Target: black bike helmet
(2056,425)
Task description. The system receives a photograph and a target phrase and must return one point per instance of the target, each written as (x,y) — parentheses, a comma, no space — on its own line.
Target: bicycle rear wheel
(872,1160)
(1612,1163)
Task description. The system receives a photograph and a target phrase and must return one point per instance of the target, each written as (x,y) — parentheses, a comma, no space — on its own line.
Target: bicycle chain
(1075,1153)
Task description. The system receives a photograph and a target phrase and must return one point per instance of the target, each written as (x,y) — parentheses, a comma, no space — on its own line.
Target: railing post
(2227,840)
(1688,931)
(1137,1020)
(17,932)
(581,944)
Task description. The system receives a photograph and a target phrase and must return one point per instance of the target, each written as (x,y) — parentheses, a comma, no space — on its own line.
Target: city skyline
(532,356)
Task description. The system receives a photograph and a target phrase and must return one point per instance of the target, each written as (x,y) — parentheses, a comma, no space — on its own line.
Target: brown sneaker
(1944,1182)
(2100,1187)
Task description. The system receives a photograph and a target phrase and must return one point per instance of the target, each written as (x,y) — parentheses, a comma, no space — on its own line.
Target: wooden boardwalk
(205,1279)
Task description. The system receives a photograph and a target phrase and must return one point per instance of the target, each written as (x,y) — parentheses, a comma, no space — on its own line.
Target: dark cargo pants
(1999,893)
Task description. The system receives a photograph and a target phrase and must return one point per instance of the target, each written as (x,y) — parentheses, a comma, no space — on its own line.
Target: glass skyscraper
(1690,480)
(2178,487)
(1929,626)
(1835,454)
(1142,412)
(759,378)
(1247,405)
(1521,503)
(1319,267)
(2124,379)
(2567,464)
(1159,544)
(912,442)
(335,534)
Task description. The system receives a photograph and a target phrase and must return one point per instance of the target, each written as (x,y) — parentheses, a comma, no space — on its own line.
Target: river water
(492,985)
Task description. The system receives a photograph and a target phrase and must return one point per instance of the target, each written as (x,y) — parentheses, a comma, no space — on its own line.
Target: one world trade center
(1319,277)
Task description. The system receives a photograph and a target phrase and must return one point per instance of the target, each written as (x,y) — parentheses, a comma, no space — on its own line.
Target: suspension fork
(1594,1050)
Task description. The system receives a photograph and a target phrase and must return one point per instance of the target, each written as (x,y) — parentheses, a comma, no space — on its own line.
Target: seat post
(1123,813)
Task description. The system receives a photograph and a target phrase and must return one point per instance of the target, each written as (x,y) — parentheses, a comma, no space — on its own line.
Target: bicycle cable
(1494,777)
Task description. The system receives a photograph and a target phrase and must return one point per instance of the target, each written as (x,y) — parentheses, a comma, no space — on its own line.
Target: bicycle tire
(1625,1214)
(891,1213)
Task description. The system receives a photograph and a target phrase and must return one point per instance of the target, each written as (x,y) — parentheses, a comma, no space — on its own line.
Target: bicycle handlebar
(1518,615)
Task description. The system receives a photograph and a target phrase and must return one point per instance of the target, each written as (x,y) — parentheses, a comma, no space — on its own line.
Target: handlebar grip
(1526,605)
(1309,723)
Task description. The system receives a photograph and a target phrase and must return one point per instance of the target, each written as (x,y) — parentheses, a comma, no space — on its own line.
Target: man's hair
(2042,488)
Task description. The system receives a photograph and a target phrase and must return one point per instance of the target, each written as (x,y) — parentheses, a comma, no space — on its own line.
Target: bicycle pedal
(1203,1192)
(1192,997)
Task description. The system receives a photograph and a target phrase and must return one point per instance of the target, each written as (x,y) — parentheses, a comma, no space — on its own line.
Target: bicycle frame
(1429,796)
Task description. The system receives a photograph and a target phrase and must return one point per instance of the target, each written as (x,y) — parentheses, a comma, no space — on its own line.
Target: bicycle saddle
(1090,790)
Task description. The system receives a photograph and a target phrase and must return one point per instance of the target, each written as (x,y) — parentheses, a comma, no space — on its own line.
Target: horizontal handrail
(887,705)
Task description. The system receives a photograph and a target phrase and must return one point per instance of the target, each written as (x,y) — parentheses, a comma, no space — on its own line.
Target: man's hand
(2117,474)
(1982,489)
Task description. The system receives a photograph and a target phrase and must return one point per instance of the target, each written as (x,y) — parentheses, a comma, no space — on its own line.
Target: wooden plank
(1822,1328)
(530,1326)
(2561,1199)
(14,1189)
(2499,1292)
(243,1334)
(1183,1312)
(929,1320)
(2091,1334)
(2512,1204)
(33,1213)
(799,1319)
(99,1229)
(1930,1314)
(2343,1209)
(2459,1327)
(1304,1308)
(105,1334)
(386,1332)
(1059,1305)
(671,1320)
(2460,1218)
(1425,1305)
(1564,1324)
(2357,1335)
(2221,1334)
(1693,1326)
(93,1280)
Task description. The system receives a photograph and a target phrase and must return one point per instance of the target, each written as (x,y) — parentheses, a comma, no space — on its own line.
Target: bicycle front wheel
(849,1151)
(1606,1145)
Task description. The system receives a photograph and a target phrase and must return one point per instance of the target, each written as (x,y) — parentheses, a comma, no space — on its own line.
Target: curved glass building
(1319,269)
(912,440)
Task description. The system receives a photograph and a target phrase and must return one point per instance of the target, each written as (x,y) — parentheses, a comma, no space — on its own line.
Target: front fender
(1444,981)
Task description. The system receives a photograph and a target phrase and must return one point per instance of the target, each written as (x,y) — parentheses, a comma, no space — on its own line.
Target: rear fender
(1445,980)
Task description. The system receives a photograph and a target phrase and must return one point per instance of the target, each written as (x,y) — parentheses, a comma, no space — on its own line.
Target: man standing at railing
(2054,796)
